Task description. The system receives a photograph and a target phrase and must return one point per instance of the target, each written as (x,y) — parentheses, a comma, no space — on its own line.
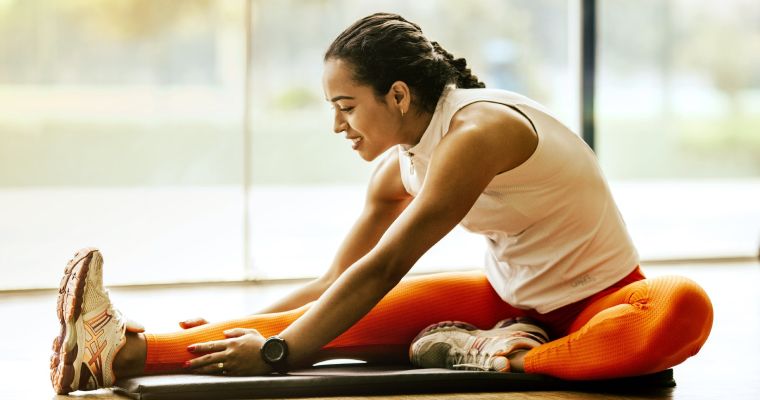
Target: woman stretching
(562,293)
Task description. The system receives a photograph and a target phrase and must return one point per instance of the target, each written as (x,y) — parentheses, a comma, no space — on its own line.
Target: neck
(413,126)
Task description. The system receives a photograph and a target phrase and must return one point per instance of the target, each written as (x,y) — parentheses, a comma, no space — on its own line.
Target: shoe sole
(69,309)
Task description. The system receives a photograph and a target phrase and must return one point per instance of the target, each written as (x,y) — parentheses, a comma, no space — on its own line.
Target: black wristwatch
(274,351)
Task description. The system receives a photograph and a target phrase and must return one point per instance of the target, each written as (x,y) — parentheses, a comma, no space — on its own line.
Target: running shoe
(459,345)
(92,330)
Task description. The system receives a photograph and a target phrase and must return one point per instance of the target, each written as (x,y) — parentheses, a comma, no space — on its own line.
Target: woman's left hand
(238,355)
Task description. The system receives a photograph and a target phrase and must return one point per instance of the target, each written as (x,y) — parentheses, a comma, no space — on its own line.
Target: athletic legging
(634,327)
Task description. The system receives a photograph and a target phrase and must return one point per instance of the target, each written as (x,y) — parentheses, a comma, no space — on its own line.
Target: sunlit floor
(727,367)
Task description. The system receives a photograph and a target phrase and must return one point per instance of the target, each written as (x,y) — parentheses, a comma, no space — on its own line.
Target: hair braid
(465,78)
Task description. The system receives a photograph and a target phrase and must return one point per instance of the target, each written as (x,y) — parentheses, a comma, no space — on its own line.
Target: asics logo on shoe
(97,323)
(95,344)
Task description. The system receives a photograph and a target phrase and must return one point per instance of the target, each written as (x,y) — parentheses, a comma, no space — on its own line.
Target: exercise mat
(359,380)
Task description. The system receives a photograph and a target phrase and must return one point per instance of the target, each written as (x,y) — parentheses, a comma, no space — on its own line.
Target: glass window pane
(307,184)
(121,128)
(678,114)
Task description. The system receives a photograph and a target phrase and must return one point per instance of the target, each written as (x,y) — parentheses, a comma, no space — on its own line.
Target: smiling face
(373,125)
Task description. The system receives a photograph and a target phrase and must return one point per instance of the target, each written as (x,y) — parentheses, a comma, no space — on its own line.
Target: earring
(402,113)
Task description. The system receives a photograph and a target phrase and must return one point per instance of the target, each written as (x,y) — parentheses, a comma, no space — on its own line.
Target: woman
(493,161)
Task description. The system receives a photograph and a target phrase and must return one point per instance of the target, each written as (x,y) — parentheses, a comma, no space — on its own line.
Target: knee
(684,313)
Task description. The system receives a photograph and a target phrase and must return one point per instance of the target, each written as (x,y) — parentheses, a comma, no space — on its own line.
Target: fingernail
(226,332)
(186,364)
(191,348)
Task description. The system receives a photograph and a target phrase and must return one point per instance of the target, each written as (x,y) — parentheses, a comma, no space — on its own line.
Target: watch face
(274,351)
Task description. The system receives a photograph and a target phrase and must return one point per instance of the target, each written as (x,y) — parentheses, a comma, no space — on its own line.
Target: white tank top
(554,233)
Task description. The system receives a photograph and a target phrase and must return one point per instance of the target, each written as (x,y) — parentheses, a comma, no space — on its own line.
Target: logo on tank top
(582,281)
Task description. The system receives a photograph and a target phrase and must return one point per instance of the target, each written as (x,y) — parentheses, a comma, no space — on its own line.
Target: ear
(399,96)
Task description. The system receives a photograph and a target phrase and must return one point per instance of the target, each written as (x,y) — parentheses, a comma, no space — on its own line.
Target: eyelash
(347,109)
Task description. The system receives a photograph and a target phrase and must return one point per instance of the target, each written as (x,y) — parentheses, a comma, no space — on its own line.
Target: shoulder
(497,131)
(489,116)
(385,185)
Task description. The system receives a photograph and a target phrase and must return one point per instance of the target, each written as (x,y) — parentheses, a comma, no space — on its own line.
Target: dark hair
(383,48)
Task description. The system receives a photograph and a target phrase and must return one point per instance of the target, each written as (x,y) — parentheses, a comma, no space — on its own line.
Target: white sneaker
(459,345)
(92,331)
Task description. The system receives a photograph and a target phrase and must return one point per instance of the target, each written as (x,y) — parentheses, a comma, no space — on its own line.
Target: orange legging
(634,327)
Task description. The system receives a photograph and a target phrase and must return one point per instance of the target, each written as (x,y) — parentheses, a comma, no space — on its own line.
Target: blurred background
(190,140)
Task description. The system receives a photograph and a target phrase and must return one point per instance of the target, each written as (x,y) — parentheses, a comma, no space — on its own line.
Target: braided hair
(383,48)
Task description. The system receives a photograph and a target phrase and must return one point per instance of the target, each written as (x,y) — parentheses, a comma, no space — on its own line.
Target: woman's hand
(192,323)
(134,326)
(238,355)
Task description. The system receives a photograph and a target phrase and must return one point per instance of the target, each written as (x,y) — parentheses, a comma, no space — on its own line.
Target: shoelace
(472,360)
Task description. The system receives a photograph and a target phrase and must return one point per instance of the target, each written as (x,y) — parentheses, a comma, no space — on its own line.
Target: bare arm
(386,199)
(482,142)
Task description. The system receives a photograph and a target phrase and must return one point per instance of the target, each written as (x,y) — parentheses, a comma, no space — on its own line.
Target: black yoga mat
(366,380)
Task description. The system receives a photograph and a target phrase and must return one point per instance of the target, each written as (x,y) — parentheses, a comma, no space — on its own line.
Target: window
(120,127)
(190,139)
(678,116)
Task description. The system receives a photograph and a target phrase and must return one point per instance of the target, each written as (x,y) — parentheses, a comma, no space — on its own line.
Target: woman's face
(372,125)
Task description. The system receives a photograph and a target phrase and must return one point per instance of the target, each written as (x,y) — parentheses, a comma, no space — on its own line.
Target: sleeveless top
(554,233)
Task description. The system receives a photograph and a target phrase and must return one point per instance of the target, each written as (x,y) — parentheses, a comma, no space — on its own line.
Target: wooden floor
(728,366)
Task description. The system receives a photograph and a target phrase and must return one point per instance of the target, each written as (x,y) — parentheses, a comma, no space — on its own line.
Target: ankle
(516,363)
(130,360)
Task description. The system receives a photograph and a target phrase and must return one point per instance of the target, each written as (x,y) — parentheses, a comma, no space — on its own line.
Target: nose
(339,125)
